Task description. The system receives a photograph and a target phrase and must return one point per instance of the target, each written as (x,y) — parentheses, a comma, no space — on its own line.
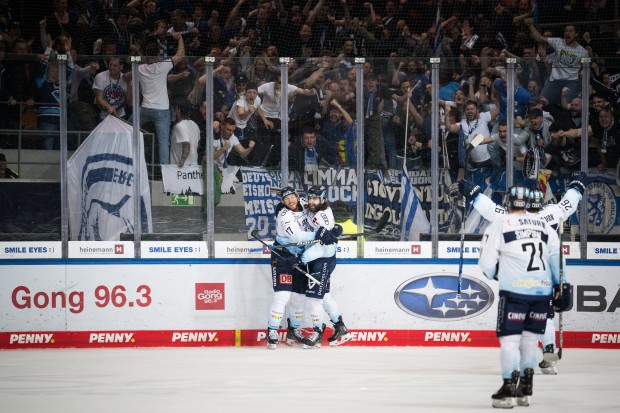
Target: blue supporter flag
(412,217)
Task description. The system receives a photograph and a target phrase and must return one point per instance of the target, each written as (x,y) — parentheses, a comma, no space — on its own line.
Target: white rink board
(167,296)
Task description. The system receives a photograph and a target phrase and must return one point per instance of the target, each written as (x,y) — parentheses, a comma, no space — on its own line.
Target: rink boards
(225,302)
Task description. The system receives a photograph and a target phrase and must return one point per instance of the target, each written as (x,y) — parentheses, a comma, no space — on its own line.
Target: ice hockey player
(321,261)
(286,280)
(522,252)
(553,214)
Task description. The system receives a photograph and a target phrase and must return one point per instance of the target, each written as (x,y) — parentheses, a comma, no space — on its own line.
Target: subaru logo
(433,297)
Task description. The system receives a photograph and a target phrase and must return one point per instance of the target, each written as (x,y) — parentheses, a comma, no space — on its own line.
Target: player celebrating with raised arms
(553,214)
(523,253)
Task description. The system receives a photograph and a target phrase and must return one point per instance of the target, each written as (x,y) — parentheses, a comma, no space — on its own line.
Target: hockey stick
(380,225)
(458,291)
(297,267)
(266,157)
(474,143)
(560,329)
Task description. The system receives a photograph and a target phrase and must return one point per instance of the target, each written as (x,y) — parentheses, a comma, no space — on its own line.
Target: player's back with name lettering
(526,251)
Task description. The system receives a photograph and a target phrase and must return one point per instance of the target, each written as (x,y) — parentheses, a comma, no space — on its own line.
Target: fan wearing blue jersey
(522,252)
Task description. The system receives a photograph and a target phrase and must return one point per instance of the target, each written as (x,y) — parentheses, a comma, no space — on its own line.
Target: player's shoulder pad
(321,219)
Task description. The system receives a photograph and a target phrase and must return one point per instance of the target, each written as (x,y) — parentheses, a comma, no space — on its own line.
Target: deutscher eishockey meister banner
(383,194)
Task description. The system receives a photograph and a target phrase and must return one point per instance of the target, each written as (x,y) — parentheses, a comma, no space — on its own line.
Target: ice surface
(254,379)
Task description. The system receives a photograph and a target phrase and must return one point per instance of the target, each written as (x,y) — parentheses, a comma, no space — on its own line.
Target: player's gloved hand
(337,230)
(579,181)
(325,236)
(295,261)
(468,190)
(562,301)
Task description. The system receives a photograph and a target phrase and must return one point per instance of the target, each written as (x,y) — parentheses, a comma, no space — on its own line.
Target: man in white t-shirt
(185,138)
(111,89)
(243,112)
(223,147)
(475,123)
(269,111)
(566,66)
(153,84)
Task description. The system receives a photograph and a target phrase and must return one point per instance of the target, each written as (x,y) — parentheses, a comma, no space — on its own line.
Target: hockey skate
(272,339)
(314,341)
(340,335)
(548,367)
(525,388)
(505,397)
(293,336)
(549,355)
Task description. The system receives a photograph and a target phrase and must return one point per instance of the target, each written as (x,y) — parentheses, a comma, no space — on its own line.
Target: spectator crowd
(323,38)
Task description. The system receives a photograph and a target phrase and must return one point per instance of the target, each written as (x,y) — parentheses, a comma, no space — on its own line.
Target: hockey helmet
(317,191)
(517,197)
(535,200)
(286,191)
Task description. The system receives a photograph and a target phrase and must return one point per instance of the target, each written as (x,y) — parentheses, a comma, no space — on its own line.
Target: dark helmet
(535,200)
(286,191)
(517,197)
(317,191)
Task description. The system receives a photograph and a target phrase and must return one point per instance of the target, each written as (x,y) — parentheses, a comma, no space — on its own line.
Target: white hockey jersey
(552,214)
(523,252)
(292,226)
(317,220)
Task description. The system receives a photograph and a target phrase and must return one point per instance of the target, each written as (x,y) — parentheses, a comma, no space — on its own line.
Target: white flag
(413,219)
(101,181)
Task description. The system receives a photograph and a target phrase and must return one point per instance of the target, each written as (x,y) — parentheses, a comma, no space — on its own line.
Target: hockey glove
(295,261)
(325,236)
(468,190)
(579,182)
(337,230)
(562,302)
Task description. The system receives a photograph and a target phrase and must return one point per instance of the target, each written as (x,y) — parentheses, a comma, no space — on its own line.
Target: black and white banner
(185,180)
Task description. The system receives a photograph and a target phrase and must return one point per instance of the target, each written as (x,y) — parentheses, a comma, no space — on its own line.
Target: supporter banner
(603,199)
(261,196)
(341,183)
(185,180)
(100,184)
(601,204)
(227,304)
(383,194)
